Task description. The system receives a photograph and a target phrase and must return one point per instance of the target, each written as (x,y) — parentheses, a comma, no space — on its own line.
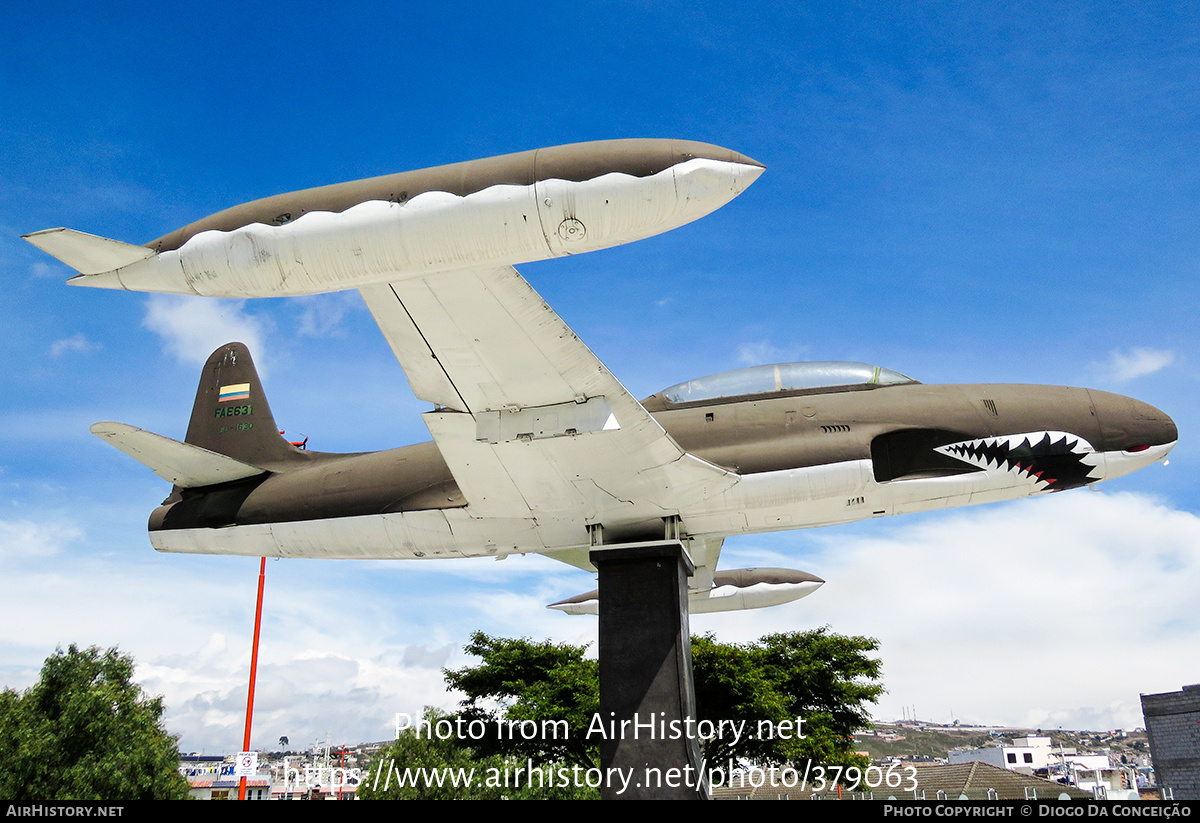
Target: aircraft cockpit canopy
(798,378)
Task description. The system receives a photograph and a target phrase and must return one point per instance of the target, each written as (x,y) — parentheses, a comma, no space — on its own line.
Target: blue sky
(963,192)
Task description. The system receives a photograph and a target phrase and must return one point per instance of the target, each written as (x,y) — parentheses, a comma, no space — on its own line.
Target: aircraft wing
(530,422)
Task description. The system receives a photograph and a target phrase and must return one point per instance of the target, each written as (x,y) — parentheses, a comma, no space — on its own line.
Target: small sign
(247,765)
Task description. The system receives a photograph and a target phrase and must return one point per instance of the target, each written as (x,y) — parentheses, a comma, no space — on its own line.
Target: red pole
(262,577)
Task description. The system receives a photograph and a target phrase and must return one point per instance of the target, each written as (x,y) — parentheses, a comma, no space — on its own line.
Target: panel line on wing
(433,354)
(426,374)
(530,419)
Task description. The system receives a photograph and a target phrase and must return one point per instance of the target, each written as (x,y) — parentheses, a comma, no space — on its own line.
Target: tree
(433,765)
(85,731)
(731,685)
(406,768)
(548,688)
(824,679)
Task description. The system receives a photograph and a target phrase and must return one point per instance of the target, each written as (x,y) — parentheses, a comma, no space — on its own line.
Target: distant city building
(983,781)
(1173,726)
(279,777)
(1025,755)
(210,777)
(1094,774)
(969,781)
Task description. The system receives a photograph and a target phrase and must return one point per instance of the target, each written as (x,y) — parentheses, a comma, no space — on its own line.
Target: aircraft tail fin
(181,464)
(231,416)
(88,253)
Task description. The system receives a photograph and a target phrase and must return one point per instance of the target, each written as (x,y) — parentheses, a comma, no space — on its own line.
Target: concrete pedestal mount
(646,687)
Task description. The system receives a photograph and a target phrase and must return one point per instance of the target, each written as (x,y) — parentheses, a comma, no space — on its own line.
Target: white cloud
(755,354)
(345,645)
(22,539)
(1137,363)
(76,342)
(192,327)
(322,314)
(762,352)
(1027,613)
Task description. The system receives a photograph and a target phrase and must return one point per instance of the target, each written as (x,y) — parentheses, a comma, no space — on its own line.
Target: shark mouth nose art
(1057,459)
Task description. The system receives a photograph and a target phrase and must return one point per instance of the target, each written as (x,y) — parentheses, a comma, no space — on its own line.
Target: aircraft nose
(1154,425)
(1130,425)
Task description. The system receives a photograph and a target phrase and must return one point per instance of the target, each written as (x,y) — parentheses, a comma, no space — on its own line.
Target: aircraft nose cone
(687,149)
(1158,428)
(639,157)
(1128,424)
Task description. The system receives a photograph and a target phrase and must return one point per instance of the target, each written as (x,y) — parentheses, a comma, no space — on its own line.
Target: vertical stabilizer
(231,415)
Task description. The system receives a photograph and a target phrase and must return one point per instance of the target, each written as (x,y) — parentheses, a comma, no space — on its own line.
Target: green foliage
(731,685)
(546,686)
(830,679)
(825,679)
(85,731)
(421,766)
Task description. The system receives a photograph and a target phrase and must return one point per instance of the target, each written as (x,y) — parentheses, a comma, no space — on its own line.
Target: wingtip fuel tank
(497,211)
(732,590)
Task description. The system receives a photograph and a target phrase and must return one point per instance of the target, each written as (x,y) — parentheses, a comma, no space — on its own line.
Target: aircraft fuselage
(802,459)
(537,447)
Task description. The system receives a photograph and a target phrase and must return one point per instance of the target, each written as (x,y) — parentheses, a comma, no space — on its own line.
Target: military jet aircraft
(536,446)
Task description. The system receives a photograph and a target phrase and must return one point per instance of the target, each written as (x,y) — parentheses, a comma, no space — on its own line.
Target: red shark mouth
(1057,459)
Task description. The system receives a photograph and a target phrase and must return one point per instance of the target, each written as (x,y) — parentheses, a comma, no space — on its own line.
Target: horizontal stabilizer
(88,253)
(180,463)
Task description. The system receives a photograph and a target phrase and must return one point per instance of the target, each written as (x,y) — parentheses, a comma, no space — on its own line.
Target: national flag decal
(239,391)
